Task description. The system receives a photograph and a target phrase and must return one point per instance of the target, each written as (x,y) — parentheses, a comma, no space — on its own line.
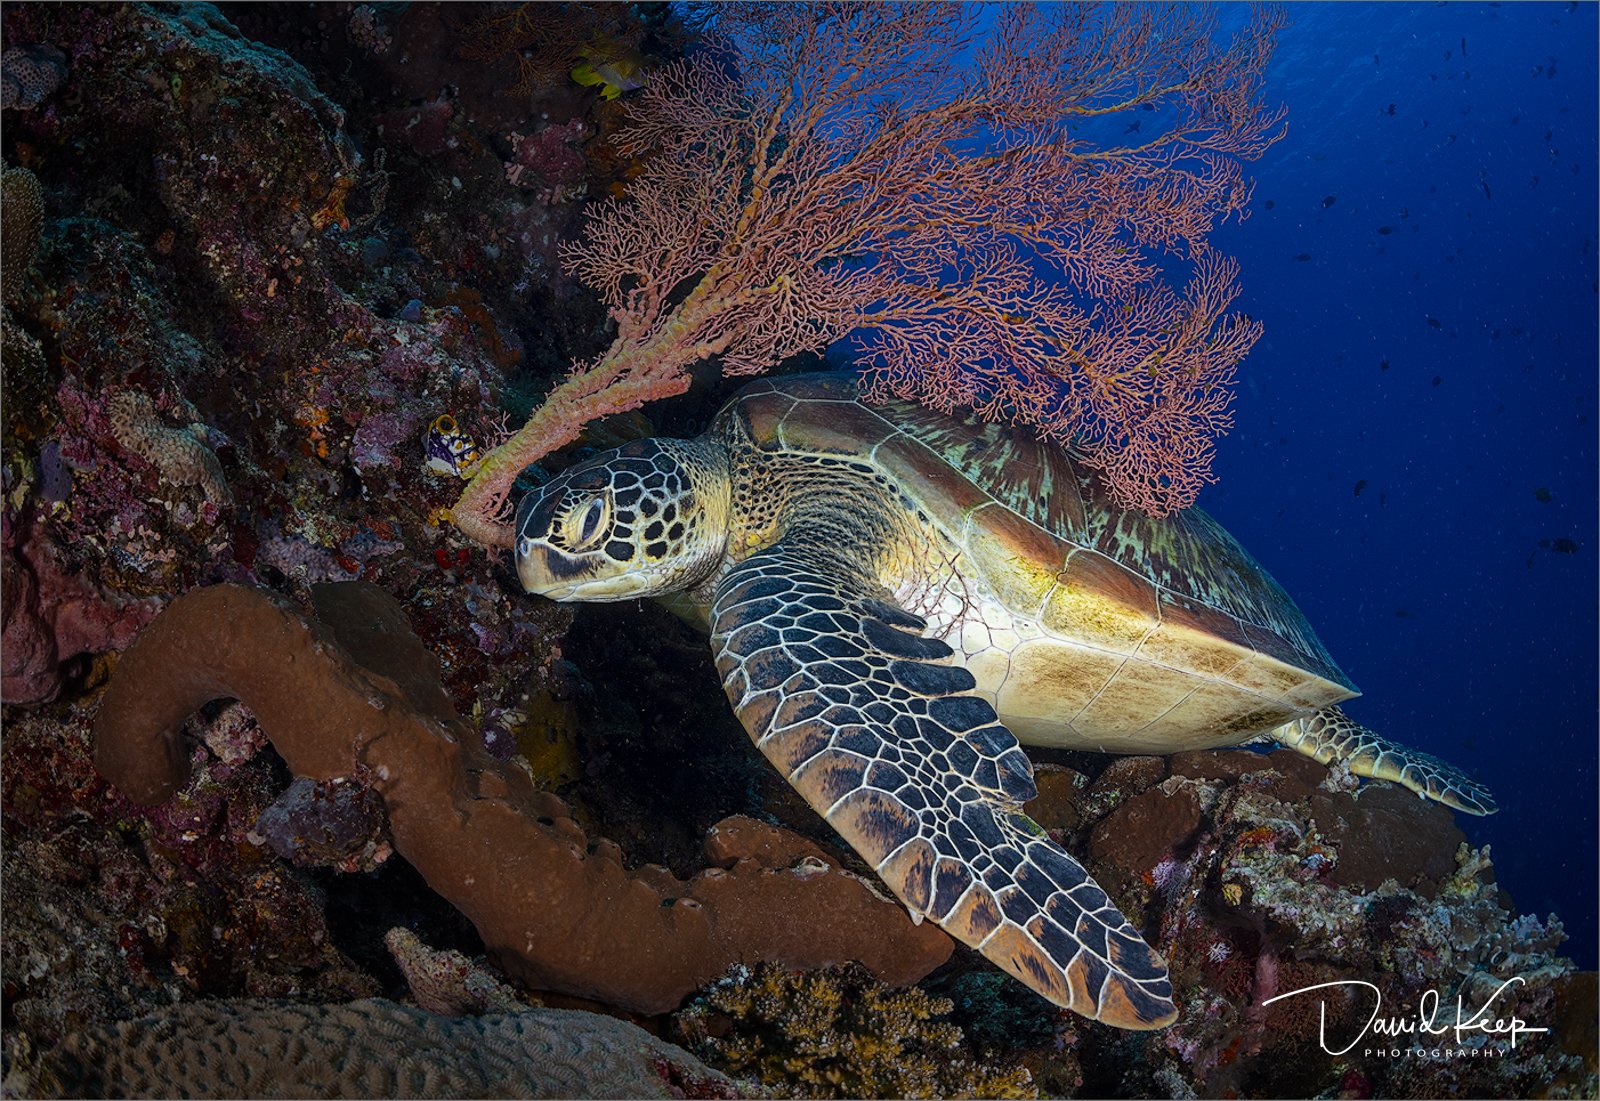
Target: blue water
(1402,506)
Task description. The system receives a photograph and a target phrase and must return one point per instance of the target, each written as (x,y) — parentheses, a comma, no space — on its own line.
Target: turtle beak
(535,572)
(542,569)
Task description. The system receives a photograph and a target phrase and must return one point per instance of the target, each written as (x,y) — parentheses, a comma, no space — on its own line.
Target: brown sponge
(358,695)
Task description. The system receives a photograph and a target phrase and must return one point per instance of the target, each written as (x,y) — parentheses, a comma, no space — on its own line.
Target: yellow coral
(840,1033)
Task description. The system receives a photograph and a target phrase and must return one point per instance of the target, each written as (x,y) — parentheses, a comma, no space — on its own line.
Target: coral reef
(357,695)
(51,613)
(286,240)
(758,228)
(334,823)
(1263,874)
(368,1048)
(838,1033)
(111,913)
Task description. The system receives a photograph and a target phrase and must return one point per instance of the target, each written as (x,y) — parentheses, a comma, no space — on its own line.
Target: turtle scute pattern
(865,718)
(1331,735)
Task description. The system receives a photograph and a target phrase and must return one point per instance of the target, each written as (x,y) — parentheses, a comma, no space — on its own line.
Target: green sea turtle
(896,597)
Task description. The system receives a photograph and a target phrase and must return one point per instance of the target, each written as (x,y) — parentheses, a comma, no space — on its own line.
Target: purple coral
(548,161)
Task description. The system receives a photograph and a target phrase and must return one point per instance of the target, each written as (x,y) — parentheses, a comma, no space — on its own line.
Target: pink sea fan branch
(958,198)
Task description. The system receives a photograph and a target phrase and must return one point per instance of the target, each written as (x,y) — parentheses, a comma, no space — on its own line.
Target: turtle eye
(591,522)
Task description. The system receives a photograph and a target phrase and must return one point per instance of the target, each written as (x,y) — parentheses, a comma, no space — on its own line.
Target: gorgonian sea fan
(946,183)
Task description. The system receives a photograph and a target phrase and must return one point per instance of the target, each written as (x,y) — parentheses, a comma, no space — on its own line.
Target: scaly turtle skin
(895,597)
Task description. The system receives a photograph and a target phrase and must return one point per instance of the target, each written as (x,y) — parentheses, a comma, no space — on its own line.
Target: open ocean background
(1414,449)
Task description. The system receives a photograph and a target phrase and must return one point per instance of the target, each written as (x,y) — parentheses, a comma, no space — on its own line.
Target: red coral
(859,175)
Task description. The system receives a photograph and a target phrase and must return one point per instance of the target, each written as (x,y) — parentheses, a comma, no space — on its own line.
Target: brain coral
(368,1048)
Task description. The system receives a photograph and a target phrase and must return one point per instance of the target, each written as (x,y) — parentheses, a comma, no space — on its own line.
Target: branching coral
(358,695)
(840,1034)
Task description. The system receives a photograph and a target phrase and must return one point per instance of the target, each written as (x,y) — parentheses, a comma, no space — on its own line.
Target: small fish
(1132,127)
(1328,200)
(1362,484)
(1483,182)
(1560,546)
(1383,365)
(1384,231)
(1463,47)
(1437,380)
(1434,322)
(1303,257)
(1271,204)
(1543,495)
(614,68)
(1402,613)
(1391,110)
(447,450)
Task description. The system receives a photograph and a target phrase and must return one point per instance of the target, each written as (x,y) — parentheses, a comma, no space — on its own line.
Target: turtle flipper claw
(882,735)
(1331,735)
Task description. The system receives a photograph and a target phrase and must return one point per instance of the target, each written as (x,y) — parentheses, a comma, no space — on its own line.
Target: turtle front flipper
(872,723)
(1331,735)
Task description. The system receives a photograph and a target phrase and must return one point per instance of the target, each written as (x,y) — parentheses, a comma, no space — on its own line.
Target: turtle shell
(1215,643)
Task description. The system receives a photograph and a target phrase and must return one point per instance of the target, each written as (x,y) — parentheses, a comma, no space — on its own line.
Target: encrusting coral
(357,695)
(368,1048)
(179,454)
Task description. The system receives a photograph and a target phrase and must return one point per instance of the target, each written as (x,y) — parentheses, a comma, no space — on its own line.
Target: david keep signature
(1425,1022)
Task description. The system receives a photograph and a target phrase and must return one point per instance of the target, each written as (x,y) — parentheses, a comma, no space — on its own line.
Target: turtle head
(649,518)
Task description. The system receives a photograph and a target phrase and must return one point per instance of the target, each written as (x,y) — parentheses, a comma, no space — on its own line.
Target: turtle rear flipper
(1331,735)
(883,737)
